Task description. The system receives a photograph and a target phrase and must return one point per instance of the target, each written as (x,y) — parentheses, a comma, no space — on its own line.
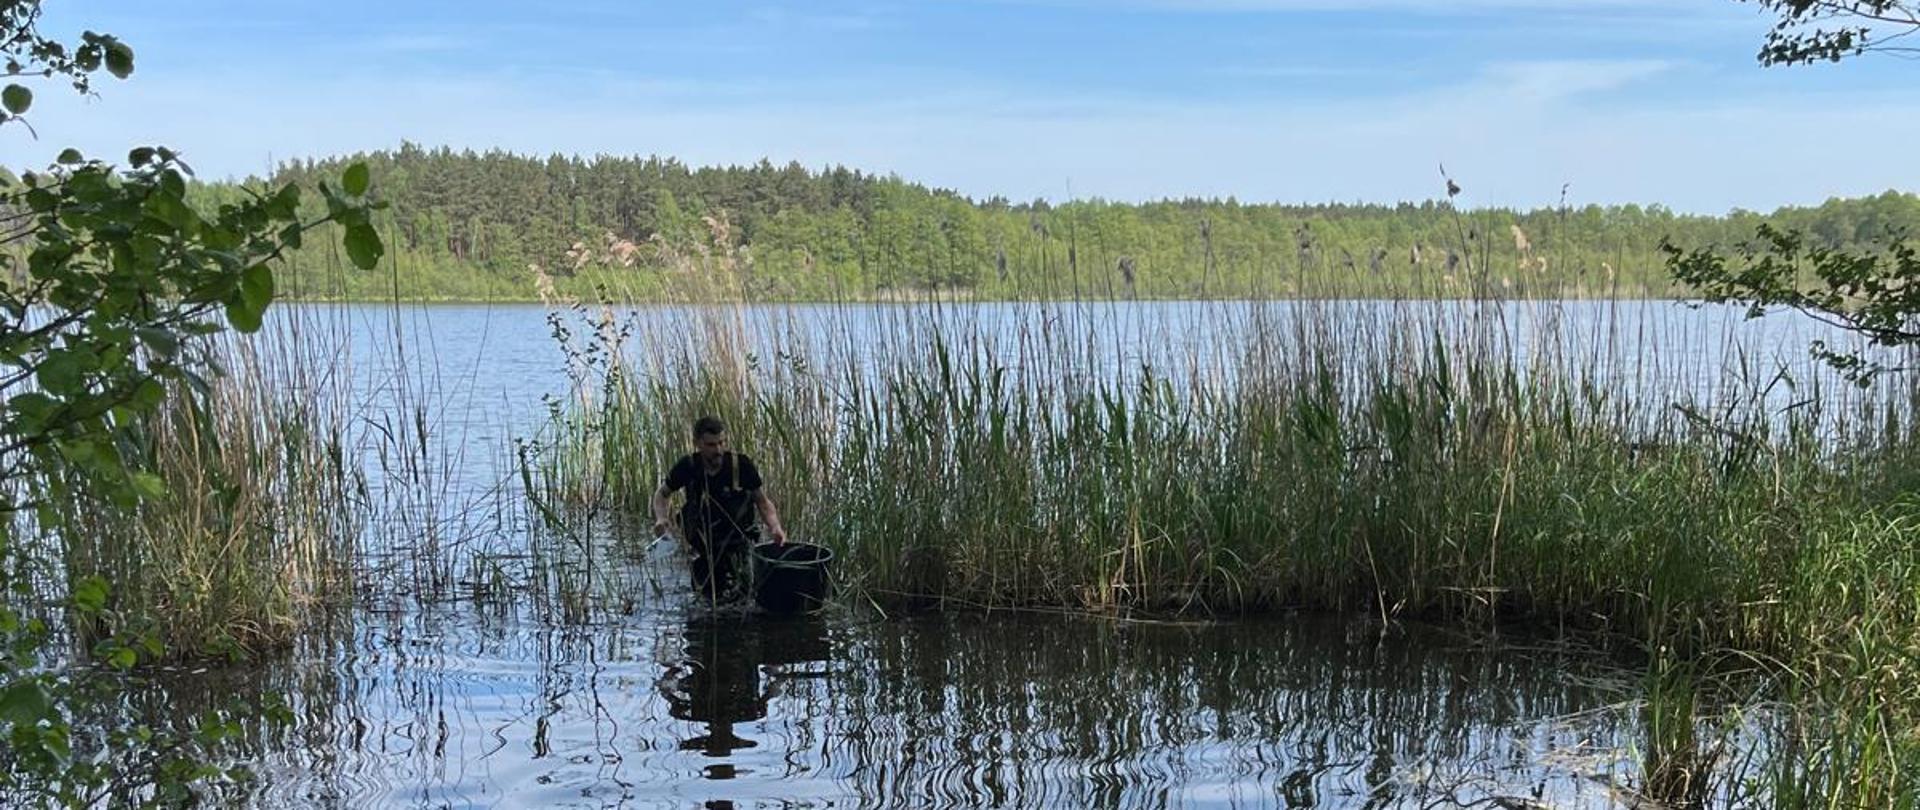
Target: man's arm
(770,516)
(662,510)
(680,475)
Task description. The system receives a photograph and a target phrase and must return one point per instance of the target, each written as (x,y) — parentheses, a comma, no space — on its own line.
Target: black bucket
(790,578)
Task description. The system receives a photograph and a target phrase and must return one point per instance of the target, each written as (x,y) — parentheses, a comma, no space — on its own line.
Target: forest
(466,225)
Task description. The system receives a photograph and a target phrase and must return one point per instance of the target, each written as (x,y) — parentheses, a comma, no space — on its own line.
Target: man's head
(709,438)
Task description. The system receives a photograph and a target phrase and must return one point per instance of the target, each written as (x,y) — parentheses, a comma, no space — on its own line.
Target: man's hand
(770,517)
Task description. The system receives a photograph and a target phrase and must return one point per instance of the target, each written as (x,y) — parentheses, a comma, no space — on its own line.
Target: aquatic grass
(1455,463)
(281,496)
(1011,479)
(251,534)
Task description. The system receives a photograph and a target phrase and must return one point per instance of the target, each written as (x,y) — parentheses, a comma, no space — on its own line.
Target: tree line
(465,224)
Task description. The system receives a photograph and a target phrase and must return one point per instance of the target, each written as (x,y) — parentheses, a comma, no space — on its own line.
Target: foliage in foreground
(110,279)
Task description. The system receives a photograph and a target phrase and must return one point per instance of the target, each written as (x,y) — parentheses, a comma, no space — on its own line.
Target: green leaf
(78,452)
(256,286)
(170,181)
(62,374)
(25,704)
(55,738)
(119,59)
(363,246)
(172,209)
(285,203)
(335,205)
(147,395)
(90,594)
(140,156)
(356,180)
(162,341)
(149,485)
(122,658)
(242,315)
(16,98)
(33,408)
(70,156)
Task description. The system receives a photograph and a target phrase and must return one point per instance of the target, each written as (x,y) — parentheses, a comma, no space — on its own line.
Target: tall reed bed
(251,533)
(1485,461)
(1396,458)
(307,468)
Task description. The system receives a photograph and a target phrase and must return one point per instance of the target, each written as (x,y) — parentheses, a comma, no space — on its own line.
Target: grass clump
(248,535)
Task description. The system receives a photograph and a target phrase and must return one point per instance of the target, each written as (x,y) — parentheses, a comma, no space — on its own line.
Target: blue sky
(1649,101)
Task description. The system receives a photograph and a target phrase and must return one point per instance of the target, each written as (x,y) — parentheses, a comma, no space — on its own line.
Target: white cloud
(1554,79)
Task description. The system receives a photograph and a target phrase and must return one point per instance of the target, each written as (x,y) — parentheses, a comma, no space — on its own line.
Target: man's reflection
(719,680)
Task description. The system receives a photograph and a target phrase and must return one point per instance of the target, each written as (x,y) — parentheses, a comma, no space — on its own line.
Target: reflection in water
(521,704)
(718,684)
(683,707)
(719,680)
(1296,713)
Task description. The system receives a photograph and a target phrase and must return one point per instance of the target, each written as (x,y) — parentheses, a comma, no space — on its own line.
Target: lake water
(675,705)
(477,377)
(642,697)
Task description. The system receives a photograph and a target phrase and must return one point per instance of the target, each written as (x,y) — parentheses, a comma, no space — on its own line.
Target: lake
(644,697)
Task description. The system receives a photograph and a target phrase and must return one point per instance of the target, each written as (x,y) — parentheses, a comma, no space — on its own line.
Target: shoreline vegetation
(495,226)
(1404,462)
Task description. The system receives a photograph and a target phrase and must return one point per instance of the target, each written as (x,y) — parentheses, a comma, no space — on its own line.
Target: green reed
(251,536)
(1399,462)
(1402,477)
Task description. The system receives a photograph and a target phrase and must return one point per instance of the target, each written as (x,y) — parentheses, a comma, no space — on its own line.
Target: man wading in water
(723,492)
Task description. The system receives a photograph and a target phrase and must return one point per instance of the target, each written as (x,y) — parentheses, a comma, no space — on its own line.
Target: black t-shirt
(721,501)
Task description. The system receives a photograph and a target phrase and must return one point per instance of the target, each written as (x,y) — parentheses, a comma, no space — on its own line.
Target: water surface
(627,693)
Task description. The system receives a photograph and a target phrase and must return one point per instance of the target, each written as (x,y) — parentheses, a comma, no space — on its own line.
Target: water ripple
(681,706)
